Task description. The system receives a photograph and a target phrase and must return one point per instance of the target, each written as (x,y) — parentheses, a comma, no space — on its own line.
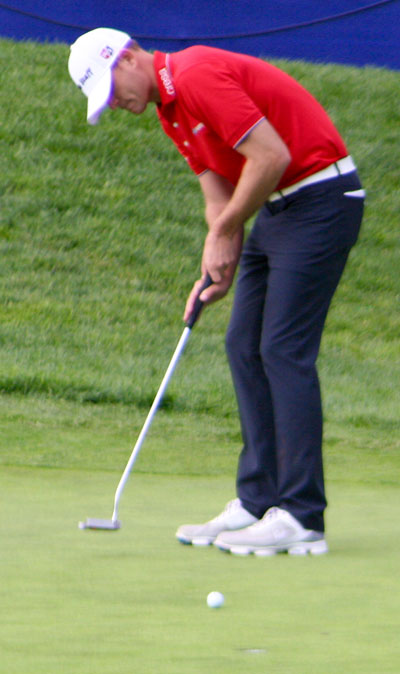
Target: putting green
(135,600)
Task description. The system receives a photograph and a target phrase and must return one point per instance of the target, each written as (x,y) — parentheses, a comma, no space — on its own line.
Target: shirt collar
(164,77)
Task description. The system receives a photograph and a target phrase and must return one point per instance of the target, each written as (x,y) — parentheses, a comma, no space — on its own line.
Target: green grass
(100,239)
(100,236)
(101,233)
(135,600)
(39,432)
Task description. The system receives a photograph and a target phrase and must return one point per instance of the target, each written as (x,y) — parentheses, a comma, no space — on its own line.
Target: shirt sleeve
(217,98)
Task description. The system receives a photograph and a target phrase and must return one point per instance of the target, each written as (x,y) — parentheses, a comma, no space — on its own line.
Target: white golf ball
(215,600)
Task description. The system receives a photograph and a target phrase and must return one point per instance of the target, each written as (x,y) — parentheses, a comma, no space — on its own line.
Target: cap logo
(107,52)
(86,76)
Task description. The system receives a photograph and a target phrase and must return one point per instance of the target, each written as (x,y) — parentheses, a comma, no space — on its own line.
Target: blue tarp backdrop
(355,32)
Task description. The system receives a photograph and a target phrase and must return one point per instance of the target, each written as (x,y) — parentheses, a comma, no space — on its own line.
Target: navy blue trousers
(290,266)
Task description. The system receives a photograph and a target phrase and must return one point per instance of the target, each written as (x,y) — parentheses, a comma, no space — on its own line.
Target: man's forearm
(257,181)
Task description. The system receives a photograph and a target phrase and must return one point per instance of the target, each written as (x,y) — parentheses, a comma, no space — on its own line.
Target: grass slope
(100,236)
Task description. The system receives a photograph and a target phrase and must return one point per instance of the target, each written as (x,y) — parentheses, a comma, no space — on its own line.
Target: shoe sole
(300,549)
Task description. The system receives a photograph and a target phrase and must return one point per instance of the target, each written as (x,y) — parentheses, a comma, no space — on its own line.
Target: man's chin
(137,109)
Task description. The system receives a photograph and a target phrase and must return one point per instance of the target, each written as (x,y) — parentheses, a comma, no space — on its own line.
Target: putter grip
(198,304)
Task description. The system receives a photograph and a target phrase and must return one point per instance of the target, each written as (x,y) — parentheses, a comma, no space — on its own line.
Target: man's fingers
(216,275)
(211,294)
(191,301)
(214,292)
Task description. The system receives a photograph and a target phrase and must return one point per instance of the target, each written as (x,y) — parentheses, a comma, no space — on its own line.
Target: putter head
(105,525)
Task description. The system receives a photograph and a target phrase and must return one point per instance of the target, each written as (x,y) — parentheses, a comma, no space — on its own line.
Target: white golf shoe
(233,517)
(277,531)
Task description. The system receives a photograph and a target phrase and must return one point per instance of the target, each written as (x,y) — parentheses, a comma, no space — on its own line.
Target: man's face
(131,85)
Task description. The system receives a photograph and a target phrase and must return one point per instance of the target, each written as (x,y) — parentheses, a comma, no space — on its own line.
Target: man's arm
(228,208)
(267,157)
(217,192)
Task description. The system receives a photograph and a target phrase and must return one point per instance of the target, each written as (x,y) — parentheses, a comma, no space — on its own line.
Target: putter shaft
(156,403)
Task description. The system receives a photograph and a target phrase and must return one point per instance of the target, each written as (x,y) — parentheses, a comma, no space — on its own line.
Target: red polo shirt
(211,99)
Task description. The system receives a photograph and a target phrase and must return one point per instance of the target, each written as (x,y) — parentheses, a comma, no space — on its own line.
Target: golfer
(258,142)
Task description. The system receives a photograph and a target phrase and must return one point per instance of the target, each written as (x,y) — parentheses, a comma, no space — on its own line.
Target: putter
(113,524)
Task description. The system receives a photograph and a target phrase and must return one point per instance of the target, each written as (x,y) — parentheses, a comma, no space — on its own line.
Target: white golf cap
(91,59)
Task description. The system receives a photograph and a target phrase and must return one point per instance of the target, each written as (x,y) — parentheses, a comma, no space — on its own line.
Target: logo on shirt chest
(199,127)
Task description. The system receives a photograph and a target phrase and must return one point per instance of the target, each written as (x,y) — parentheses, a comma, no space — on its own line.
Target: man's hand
(219,254)
(211,294)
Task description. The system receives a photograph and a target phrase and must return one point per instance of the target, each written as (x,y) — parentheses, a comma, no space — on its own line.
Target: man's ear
(128,57)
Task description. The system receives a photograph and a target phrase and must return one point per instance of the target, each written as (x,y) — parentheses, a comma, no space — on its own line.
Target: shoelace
(235,504)
(271,514)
